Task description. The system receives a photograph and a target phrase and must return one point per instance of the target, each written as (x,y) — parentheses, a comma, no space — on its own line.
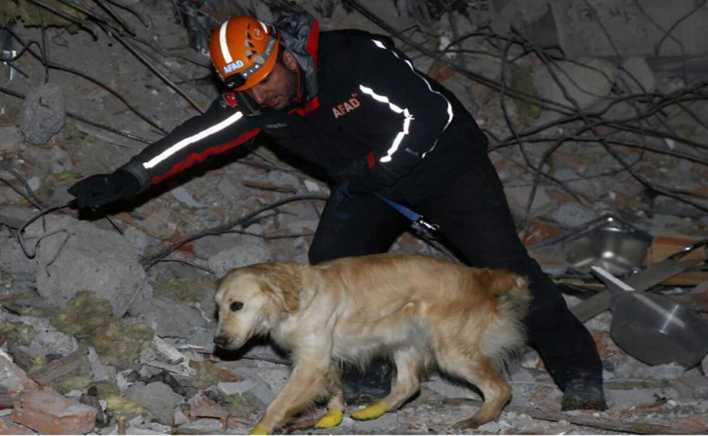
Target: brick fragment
(48,412)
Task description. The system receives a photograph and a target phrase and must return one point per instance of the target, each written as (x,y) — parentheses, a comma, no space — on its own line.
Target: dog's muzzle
(221,341)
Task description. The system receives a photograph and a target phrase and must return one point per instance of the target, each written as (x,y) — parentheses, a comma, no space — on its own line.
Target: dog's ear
(283,282)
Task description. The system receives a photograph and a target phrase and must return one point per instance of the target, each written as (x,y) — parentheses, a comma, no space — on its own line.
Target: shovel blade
(657,330)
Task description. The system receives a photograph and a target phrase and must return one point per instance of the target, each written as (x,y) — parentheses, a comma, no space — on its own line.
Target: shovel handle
(687,249)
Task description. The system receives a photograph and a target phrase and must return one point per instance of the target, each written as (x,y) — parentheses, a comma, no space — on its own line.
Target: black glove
(361,179)
(102,189)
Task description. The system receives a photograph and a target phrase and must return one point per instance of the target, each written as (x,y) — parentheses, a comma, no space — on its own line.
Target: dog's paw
(332,419)
(372,411)
(258,430)
(466,424)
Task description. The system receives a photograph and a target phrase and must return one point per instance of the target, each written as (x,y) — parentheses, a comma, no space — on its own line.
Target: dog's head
(252,300)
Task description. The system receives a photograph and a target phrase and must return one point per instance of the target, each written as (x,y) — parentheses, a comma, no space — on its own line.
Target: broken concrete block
(634,27)
(586,81)
(43,113)
(8,427)
(693,386)
(573,215)
(45,338)
(157,398)
(169,318)
(636,76)
(200,406)
(48,412)
(248,250)
(80,256)
(12,259)
(12,378)
(10,140)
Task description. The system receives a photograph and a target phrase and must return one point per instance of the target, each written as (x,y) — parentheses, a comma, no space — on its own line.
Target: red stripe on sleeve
(313,41)
(195,158)
(310,106)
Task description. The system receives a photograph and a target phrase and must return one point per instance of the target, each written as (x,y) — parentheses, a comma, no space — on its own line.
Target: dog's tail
(506,335)
(511,290)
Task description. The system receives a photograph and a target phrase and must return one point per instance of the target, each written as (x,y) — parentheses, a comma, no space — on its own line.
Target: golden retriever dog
(423,312)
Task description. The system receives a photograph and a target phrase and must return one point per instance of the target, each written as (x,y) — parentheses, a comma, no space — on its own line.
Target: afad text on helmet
(233,66)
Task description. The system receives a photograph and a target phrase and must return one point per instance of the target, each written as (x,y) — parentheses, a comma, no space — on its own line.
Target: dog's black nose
(221,341)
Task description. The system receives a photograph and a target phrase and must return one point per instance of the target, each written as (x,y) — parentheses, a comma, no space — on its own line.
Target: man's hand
(360,178)
(102,189)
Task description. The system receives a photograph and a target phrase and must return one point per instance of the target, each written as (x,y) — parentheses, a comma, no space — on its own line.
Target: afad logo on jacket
(342,109)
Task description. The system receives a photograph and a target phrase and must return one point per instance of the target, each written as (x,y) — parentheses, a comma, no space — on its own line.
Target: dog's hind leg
(478,370)
(335,406)
(408,369)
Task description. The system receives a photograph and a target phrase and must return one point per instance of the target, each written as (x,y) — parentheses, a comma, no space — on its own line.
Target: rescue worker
(350,103)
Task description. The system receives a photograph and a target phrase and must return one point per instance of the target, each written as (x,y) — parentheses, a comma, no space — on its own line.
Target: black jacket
(370,103)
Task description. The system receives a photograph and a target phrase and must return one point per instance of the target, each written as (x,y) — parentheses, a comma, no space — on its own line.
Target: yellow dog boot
(331,419)
(259,429)
(372,411)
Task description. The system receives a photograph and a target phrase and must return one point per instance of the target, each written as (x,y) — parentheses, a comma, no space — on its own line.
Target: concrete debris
(10,140)
(48,412)
(84,315)
(157,398)
(13,379)
(76,255)
(634,28)
(636,76)
(100,371)
(170,318)
(585,81)
(43,113)
(45,338)
(248,250)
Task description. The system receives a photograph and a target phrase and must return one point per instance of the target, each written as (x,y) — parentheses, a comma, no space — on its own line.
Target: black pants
(475,220)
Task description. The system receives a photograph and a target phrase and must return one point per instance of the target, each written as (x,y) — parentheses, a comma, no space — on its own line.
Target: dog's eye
(236,305)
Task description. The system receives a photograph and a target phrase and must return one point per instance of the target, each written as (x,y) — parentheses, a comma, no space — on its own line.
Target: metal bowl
(609,243)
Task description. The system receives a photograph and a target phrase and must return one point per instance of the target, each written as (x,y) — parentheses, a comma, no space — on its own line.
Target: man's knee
(318,253)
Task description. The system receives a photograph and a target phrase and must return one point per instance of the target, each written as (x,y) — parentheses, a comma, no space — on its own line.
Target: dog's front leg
(307,381)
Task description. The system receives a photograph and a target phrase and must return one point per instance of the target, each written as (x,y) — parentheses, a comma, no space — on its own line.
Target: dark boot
(583,394)
(364,387)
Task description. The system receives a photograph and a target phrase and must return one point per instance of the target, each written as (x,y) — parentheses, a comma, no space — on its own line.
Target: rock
(586,81)
(448,389)
(201,426)
(693,386)
(10,140)
(253,384)
(248,250)
(518,197)
(380,425)
(157,398)
(80,256)
(12,378)
(637,76)
(43,113)
(52,160)
(100,371)
(633,30)
(169,318)
(573,214)
(12,258)
(47,412)
(185,197)
(46,339)
(7,427)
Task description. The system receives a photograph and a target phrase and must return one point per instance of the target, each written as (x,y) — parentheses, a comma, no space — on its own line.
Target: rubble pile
(106,322)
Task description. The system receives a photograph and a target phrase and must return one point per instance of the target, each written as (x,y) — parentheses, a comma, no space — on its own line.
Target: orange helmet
(243,51)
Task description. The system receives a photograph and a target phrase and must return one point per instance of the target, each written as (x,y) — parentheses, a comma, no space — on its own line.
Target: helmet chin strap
(299,80)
